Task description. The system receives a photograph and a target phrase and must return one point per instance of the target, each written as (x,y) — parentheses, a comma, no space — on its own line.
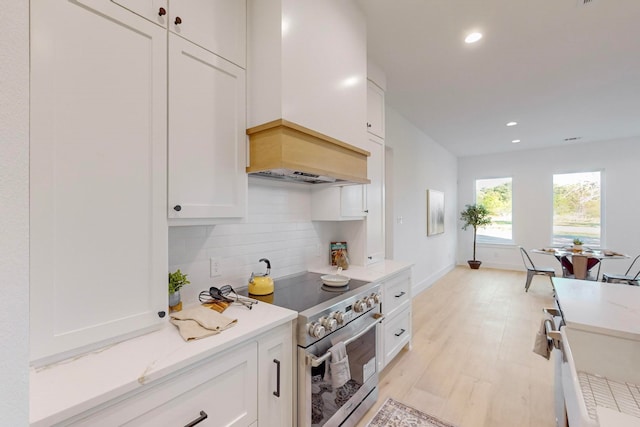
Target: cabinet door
(207,141)
(153,10)
(375,109)
(275,378)
(338,203)
(98,228)
(219,26)
(375,201)
(352,201)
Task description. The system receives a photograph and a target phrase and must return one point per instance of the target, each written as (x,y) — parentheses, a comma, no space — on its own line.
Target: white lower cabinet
(249,385)
(396,329)
(223,388)
(275,380)
(397,333)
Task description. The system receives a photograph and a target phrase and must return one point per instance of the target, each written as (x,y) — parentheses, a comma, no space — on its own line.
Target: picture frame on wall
(435,212)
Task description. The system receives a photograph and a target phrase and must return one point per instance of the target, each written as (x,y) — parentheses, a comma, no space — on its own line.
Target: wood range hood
(285,151)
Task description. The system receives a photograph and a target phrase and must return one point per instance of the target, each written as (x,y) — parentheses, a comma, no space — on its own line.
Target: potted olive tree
(476,216)
(176,281)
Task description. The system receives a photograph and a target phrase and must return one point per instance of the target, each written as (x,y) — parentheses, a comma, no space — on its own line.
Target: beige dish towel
(200,322)
(543,346)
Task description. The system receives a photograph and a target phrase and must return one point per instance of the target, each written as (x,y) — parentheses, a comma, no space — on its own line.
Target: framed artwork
(435,212)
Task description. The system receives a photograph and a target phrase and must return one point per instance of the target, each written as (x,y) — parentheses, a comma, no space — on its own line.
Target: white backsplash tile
(278,228)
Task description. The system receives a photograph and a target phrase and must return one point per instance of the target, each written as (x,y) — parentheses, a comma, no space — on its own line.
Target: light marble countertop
(607,308)
(370,273)
(67,388)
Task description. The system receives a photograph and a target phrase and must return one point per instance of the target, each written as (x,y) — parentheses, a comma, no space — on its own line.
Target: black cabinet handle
(161,314)
(366,211)
(177,208)
(178,20)
(203,416)
(402,331)
(370,257)
(368,125)
(277,392)
(400,294)
(162,11)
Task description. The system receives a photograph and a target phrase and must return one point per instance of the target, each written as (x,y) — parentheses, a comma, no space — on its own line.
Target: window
(496,195)
(576,208)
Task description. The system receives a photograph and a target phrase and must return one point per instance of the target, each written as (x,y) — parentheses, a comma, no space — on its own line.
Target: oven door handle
(317,361)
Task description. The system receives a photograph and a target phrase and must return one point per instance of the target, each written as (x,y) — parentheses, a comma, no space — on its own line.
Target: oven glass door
(331,403)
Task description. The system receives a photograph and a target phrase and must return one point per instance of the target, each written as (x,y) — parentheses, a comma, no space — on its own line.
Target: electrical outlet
(214,267)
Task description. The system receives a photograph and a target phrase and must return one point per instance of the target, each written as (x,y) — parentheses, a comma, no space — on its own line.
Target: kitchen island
(93,381)
(601,345)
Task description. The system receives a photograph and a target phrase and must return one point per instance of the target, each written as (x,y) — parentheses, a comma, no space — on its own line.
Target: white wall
(532,172)
(420,164)
(14,211)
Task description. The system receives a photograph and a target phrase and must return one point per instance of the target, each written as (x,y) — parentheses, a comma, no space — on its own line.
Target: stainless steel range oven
(331,318)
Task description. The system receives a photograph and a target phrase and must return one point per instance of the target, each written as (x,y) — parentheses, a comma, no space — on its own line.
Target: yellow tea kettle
(261,284)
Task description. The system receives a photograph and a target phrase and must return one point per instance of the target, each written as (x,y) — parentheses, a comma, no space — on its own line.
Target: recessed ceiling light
(515,141)
(473,37)
(512,123)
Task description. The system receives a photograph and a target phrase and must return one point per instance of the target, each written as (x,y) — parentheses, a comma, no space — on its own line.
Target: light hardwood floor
(472,362)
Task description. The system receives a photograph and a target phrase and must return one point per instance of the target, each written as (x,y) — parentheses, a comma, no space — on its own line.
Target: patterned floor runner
(396,414)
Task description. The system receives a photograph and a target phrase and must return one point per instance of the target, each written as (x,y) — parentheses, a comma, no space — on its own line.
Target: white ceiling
(559,68)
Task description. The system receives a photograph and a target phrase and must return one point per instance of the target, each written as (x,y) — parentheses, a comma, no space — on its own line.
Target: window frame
(480,238)
(602,204)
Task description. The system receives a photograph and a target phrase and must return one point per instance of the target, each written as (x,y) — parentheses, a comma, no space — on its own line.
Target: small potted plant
(176,281)
(577,245)
(476,216)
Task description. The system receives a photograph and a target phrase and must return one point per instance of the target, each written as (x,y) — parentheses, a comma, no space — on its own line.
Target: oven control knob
(329,323)
(316,330)
(359,306)
(376,298)
(339,316)
(370,301)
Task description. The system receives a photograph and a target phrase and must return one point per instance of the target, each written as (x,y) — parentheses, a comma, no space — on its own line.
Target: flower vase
(175,304)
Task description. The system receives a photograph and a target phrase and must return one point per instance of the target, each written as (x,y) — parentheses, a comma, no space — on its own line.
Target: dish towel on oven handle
(543,345)
(338,368)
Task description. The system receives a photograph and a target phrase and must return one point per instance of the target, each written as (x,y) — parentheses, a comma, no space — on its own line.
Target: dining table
(579,260)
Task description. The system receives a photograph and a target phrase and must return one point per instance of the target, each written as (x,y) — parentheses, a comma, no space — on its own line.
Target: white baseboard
(427,282)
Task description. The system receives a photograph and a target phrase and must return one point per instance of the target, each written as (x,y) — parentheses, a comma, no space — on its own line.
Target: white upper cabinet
(375,109)
(220,26)
(153,10)
(309,66)
(98,227)
(207,141)
(338,203)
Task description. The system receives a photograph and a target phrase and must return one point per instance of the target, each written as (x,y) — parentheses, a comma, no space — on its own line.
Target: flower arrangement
(577,242)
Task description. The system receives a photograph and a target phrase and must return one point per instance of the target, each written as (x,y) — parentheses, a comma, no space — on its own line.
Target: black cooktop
(303,291)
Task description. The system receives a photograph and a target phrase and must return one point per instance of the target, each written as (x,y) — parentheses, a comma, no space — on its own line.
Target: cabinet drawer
(224,387)
(397,332)
(397,291)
